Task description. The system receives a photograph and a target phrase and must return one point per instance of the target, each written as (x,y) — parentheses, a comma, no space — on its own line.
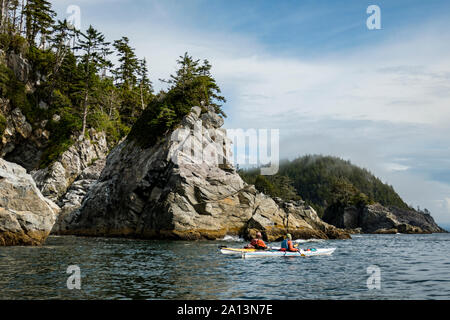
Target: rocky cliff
(55,180)
(184,187)
(71,201)
(376,218)
(19,141)
(26,216)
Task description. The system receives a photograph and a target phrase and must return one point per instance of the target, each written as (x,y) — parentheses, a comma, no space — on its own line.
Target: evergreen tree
(4,10)
(145,85)
(39,19)
(194,85)
(208,90)
(126,80)
(92,44)
(125,73)
(328,182)
(22,14)
(60,38)
(70,74)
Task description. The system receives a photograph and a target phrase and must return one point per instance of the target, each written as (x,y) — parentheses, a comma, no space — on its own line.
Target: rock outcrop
(376,218)
(415,219)
(71,201)
(55,180)
(184,187)
(18,64)
(19,143)
(26,216)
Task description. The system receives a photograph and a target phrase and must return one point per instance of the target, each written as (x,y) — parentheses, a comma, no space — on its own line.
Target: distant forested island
(323,182)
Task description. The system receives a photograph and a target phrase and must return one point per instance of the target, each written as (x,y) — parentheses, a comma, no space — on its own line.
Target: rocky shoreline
(378,219)
(26,216)
(163,192)
(160,192)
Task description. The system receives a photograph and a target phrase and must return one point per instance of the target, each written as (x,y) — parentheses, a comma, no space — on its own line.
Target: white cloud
(396,167)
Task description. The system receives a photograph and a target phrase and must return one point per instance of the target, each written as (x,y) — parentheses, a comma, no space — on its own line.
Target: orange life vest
(258,244)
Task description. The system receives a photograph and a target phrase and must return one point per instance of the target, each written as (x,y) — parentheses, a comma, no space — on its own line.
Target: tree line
(75,77)
(325,183)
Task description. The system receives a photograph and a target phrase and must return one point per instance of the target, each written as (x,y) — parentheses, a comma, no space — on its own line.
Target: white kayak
(274,252)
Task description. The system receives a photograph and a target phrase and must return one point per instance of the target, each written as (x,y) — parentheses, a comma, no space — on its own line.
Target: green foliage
(264,185)
(6,75)
(333,183)
(275,186)
(61,135)
(156,120)
(126,71)
(15,91)
(13,43)
(2,124)
(42,61)
(73,80)
(193,85)
(114,130)
(189,87)
(316,178)
(39,19)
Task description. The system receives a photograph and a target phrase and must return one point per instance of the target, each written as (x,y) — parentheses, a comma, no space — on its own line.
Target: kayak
(274,252)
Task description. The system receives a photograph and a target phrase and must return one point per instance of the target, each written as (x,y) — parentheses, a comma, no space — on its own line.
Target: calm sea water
(411,267)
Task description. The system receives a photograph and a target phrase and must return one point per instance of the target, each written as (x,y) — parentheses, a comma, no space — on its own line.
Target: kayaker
(286,245)
(257,243)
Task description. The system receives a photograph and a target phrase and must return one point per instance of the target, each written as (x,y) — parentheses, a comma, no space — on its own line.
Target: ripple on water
(411,267)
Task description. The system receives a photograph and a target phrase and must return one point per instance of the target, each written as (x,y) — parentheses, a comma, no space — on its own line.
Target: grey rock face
(26,216)
(414,218)
(55,180)
(379,219)
(71,201)
(19,65)
(178,189)
(376,217)
(20,143)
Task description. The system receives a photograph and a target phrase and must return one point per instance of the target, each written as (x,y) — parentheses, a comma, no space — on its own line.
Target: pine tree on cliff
(8,15)
(61,36)
(145,85)
(93,45)
(4,8)
(126,79)
(39,19)
(125,72)
(13,7)
(208,88)
(11,15)
(193,85)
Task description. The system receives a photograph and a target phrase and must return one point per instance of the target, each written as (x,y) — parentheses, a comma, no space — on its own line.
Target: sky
(313,69)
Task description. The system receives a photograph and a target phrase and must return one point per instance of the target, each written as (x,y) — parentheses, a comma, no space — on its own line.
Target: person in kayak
(257,243)
(286,245)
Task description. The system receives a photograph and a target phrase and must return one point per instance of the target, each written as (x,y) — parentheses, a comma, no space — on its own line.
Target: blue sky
(311,68)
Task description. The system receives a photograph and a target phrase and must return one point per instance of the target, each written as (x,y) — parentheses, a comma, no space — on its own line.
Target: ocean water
(410,267)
